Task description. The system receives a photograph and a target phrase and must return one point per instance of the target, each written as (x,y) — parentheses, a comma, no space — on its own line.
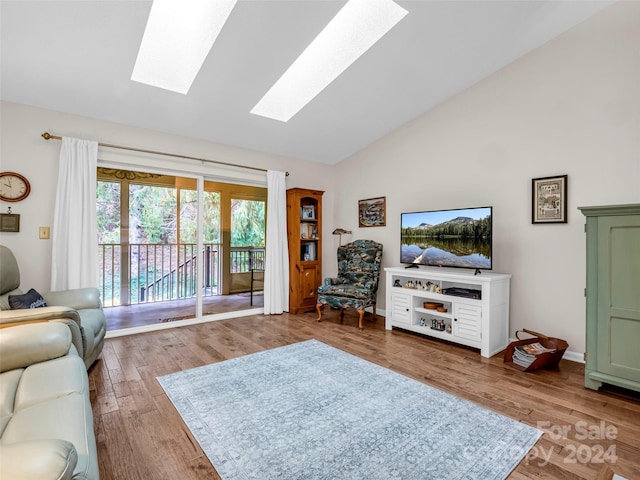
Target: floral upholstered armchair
(357,282)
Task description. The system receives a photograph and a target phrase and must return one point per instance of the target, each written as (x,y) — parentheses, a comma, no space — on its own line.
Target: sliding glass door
(153,269)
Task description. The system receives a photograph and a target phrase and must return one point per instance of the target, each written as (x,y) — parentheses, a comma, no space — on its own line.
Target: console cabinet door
(401,308)
(467,321)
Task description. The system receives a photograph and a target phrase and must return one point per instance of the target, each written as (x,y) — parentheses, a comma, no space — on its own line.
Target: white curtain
(74,256)
(276,265)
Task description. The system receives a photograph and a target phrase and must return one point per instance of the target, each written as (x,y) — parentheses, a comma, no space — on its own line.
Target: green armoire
(613,296)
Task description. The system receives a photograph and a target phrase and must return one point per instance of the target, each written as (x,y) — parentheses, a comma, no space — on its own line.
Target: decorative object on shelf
(372,212)
(549,200)
(432,305)
(13,187)
(341,231)
(308,212)
(9,222)
(397,283)
(438,324)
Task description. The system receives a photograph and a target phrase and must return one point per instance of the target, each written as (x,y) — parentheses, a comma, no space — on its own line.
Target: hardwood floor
(141,436)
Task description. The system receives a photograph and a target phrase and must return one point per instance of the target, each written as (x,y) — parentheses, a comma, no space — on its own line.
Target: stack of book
(525,355)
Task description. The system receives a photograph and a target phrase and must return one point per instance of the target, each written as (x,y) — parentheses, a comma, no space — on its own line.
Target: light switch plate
(45,233)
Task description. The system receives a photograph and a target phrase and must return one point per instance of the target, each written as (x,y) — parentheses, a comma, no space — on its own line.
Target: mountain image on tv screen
(447,238)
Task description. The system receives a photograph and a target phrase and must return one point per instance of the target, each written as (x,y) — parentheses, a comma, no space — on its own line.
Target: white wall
(24,151)
(571,107)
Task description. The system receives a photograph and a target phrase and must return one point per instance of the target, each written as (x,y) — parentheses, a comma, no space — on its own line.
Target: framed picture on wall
(372,212)
(9,222)
(549,200)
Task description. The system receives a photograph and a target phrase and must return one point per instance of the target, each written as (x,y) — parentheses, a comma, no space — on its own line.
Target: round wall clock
(13,187)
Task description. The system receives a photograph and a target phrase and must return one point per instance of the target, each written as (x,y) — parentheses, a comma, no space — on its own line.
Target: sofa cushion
(39,459)
(52,402)
(46,381)
(4,298)
(8,387)
(345,290)
(31,343)
(10,278)
(31,299)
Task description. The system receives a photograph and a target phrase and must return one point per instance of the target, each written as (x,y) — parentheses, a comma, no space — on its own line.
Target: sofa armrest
(65,315)
(38,460)
(31,343)
(332,281)
(78,298)
(31,315)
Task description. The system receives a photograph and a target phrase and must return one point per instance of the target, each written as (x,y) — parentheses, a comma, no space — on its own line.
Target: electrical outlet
(45,233)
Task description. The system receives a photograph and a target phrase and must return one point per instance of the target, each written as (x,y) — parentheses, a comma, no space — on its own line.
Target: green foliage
(153,216)
(189,216)
(474,230)
(247,223)
(108,212)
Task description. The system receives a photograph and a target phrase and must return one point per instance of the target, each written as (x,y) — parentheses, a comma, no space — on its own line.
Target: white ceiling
(77,57)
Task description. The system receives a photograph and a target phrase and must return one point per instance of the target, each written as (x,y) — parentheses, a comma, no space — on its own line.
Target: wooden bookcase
(304,234)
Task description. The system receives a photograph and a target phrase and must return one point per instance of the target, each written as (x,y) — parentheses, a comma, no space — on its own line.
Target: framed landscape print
(372,212)
(549,200)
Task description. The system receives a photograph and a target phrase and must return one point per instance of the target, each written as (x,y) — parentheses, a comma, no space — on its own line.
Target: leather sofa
(46,422)
(80,309)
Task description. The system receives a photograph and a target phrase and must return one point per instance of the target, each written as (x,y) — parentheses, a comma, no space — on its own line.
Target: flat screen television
(459,238)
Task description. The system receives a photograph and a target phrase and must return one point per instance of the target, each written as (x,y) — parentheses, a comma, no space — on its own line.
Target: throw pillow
(31,299)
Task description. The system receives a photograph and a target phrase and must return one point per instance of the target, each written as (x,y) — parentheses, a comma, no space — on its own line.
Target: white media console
(481,322)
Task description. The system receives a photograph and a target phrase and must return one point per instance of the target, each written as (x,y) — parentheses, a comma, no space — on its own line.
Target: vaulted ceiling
(77,57)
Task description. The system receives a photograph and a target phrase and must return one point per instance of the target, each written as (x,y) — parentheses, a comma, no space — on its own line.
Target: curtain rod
(48,136)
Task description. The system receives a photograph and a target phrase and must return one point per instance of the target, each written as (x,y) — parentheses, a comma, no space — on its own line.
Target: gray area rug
(311,411)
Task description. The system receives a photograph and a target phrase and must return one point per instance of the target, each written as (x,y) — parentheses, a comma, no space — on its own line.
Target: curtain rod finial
(46,135)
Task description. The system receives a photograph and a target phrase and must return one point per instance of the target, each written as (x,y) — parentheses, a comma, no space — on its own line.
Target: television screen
(447,238)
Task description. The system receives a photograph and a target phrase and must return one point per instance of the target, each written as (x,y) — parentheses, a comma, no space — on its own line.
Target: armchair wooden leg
(360,317)
(319,309)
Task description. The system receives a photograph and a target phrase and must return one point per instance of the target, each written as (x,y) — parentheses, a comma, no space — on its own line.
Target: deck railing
(158,272)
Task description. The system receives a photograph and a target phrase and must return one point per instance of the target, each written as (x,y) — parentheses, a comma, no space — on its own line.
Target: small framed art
(9,222)
(549,202)
(372,212)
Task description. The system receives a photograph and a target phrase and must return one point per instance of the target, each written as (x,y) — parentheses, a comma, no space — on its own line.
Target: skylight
(176,41)
(355,29)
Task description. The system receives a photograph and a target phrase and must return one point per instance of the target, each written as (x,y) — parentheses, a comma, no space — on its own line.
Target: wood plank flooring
(141,436)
